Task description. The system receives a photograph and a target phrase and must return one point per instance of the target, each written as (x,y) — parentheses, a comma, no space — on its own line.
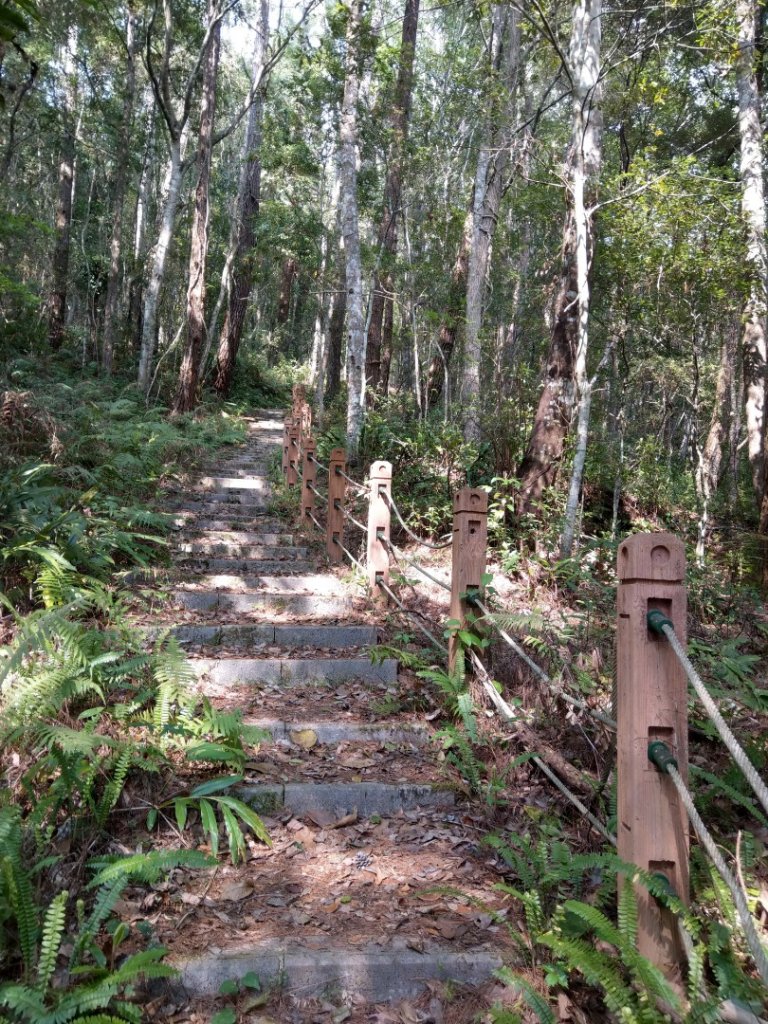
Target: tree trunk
(355,360)
(492,163)
(57,301)
(157,272)
(186,396)
(121,179)
(753,213)
(387,239)
(337,316)
(247,211)
(565,377)
(710,458)
(446,339)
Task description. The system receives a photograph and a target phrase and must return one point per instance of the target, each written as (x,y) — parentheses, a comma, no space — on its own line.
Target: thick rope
(398,555)
(361,489)
(424,543)
(737,751)
(320,528)
(706,840)
(539,672)
(510,716)
(349,555)
(317,493)
(319,464)
(351,518)
(433,639)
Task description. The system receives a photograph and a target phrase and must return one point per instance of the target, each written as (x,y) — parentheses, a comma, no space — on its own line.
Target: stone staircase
(376,883)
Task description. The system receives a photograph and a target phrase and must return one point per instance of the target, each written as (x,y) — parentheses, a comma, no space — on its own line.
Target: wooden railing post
(470,536)
(287,424)
(308,478)
(337,489)
(377,560)
(293,455)
(651,706)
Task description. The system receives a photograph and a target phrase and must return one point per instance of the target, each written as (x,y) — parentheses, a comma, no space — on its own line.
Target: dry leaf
(348,819)
(236,890)
(304,738)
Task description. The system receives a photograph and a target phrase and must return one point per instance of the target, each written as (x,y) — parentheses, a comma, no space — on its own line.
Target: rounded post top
(380,470)
(338,455)
(656,557)
(470,499)
(309,443)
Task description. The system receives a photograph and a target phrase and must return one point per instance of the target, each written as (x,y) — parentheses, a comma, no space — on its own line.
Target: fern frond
(50,942)
(146,867)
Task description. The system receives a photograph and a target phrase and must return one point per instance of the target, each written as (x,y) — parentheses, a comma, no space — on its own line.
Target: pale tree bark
(753,214)
(493,160)
(379,342)
(449,327)
(57,300)
(709,468)
(136,287)
(244,222)
(111,309)
(326,297)
(565,377)
(186,395)
(355,358)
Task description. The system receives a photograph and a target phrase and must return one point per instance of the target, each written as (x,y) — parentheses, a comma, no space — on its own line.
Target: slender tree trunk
(244,226)
(446,339)
(186,396)
(336,320)
(355,359)
(753,213)
(492,164)
(157,271)
(710,458)
(57,301)
(387,239)
(121,179)
(565,378)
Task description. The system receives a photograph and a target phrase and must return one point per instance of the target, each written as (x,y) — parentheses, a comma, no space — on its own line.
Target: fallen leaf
(321,818)
(348,819)
(355,760)
(236,890)
(450,929)
(304,738)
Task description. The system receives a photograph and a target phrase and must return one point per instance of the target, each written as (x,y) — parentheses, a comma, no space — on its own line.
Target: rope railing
(660,624)
(538,671)
(660,755)
(319,464)
(418,540)
(651,685)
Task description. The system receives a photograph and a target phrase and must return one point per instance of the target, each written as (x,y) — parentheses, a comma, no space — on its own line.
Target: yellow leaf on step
(305,738)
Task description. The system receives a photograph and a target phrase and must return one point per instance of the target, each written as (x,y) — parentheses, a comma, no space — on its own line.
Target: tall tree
(565,377)
(492,162)
(186,395)
(350,226)
(753,214)
(57,300)
(240,257)
(380,323)
(120,185)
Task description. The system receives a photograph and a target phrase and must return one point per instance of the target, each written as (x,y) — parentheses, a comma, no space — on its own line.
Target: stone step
(231,671)
(288,636)
(206,546)
(371,973)
(289,562)
(296,605)
(334,731)
(200,539)
(339,798)
(283,584)
(242,500)
(232,483)
(250,527)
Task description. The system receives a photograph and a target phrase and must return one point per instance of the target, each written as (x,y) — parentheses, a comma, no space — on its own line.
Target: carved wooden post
(377,559)
(651,706)
(308,478)
(470,536)
(287,424)
(293,455)
(299,394)
(337,489)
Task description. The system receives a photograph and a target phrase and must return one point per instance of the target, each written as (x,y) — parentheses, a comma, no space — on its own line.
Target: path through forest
(376,882)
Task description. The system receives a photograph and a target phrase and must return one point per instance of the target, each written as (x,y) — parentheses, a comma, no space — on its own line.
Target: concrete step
(219,548)
(339,798)
(288,636)
(328,731)
(288,560)
(231,671)
(286,583)
(279,603)
(252,482)
(207,500)
(248,528)
(372,974)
